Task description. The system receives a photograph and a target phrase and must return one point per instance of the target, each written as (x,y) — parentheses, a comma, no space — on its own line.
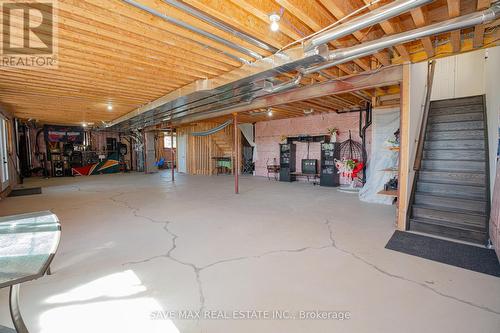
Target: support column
(236,149)
(404,149)
(172,154)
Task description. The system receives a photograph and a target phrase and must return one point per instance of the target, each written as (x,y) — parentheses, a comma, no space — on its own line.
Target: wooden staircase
(224,141)
(451,196)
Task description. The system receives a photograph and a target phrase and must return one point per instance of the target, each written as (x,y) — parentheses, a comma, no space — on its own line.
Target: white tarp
(385,123)
(247,130)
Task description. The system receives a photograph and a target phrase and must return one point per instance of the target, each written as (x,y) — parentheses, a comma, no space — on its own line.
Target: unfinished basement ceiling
(387,96)
(113,53)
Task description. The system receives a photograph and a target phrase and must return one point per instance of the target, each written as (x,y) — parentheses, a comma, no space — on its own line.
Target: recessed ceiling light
(274,18)
(270,112)
(84,124)
(110,107)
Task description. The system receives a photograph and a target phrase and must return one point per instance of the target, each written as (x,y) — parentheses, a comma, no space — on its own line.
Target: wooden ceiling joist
(479,29)
(455,36)
(339,13)
(419,17)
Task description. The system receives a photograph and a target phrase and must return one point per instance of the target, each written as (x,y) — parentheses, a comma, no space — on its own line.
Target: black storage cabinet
(287,162)
(328,173)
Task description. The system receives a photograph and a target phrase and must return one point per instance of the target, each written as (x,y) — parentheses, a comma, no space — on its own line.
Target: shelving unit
(328,173)
(287,162)
(392,193)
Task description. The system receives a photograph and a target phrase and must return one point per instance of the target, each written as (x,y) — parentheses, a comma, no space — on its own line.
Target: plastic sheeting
(247,130)
(385,123)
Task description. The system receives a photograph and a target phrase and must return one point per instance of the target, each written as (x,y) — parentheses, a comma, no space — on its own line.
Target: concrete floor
(135,247)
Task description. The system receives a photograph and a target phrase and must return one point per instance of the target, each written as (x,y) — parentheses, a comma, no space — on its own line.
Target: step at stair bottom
(444,229)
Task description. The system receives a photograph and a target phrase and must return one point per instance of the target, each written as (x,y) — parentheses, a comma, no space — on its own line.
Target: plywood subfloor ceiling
(113,53)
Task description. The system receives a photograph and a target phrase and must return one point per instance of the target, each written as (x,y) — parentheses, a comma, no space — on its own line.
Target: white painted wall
(459,76)
(468,74)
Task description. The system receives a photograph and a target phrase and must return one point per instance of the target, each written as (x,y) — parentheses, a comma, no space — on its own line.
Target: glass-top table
(28,243)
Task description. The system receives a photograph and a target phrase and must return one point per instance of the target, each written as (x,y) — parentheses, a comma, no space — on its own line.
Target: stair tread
(450,210)
(454,171)
(456,117)
(454,130)
(433,130)
(448,197)
(454,184)
(453,190)
(462,161)
(451,217)
(451,160)
(460,101)
(457,114)
(455,149)
(451,225)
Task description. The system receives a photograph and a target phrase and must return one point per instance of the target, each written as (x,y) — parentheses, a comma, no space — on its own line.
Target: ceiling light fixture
(274,18)
(110,107)
(309,111)
(270,112)
(84,124)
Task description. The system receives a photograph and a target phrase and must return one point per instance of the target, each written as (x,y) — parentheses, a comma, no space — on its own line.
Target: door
(4,160)
(181,153)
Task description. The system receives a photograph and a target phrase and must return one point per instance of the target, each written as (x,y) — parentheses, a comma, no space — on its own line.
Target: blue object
(160,163)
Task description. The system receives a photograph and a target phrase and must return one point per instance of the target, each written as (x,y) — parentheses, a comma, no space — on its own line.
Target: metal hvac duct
(380,14)
(284,86)
(220,25)
(189,27)
(341,56)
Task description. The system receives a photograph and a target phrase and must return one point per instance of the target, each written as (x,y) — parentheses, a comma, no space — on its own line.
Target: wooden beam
(339,13)
(455,36)
(237,17)
(293,27)
(479,29)
(387,76)
(236,158)
(316,19)
(404,152)
(391,28)
(419,18)
(478,36)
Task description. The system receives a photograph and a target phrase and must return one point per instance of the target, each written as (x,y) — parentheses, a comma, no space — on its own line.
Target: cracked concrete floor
(136,249)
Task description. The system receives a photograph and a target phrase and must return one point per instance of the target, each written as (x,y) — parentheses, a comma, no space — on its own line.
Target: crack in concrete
(421,284)
(168,255)
(197,270)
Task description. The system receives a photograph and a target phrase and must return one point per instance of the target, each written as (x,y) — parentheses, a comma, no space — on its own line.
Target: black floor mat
(18,192)
(466,256)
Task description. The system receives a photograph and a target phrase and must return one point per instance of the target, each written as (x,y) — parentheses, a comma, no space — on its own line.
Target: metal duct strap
(213,130)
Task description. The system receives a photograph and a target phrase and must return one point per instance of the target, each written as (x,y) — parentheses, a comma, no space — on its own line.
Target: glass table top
(28,242)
